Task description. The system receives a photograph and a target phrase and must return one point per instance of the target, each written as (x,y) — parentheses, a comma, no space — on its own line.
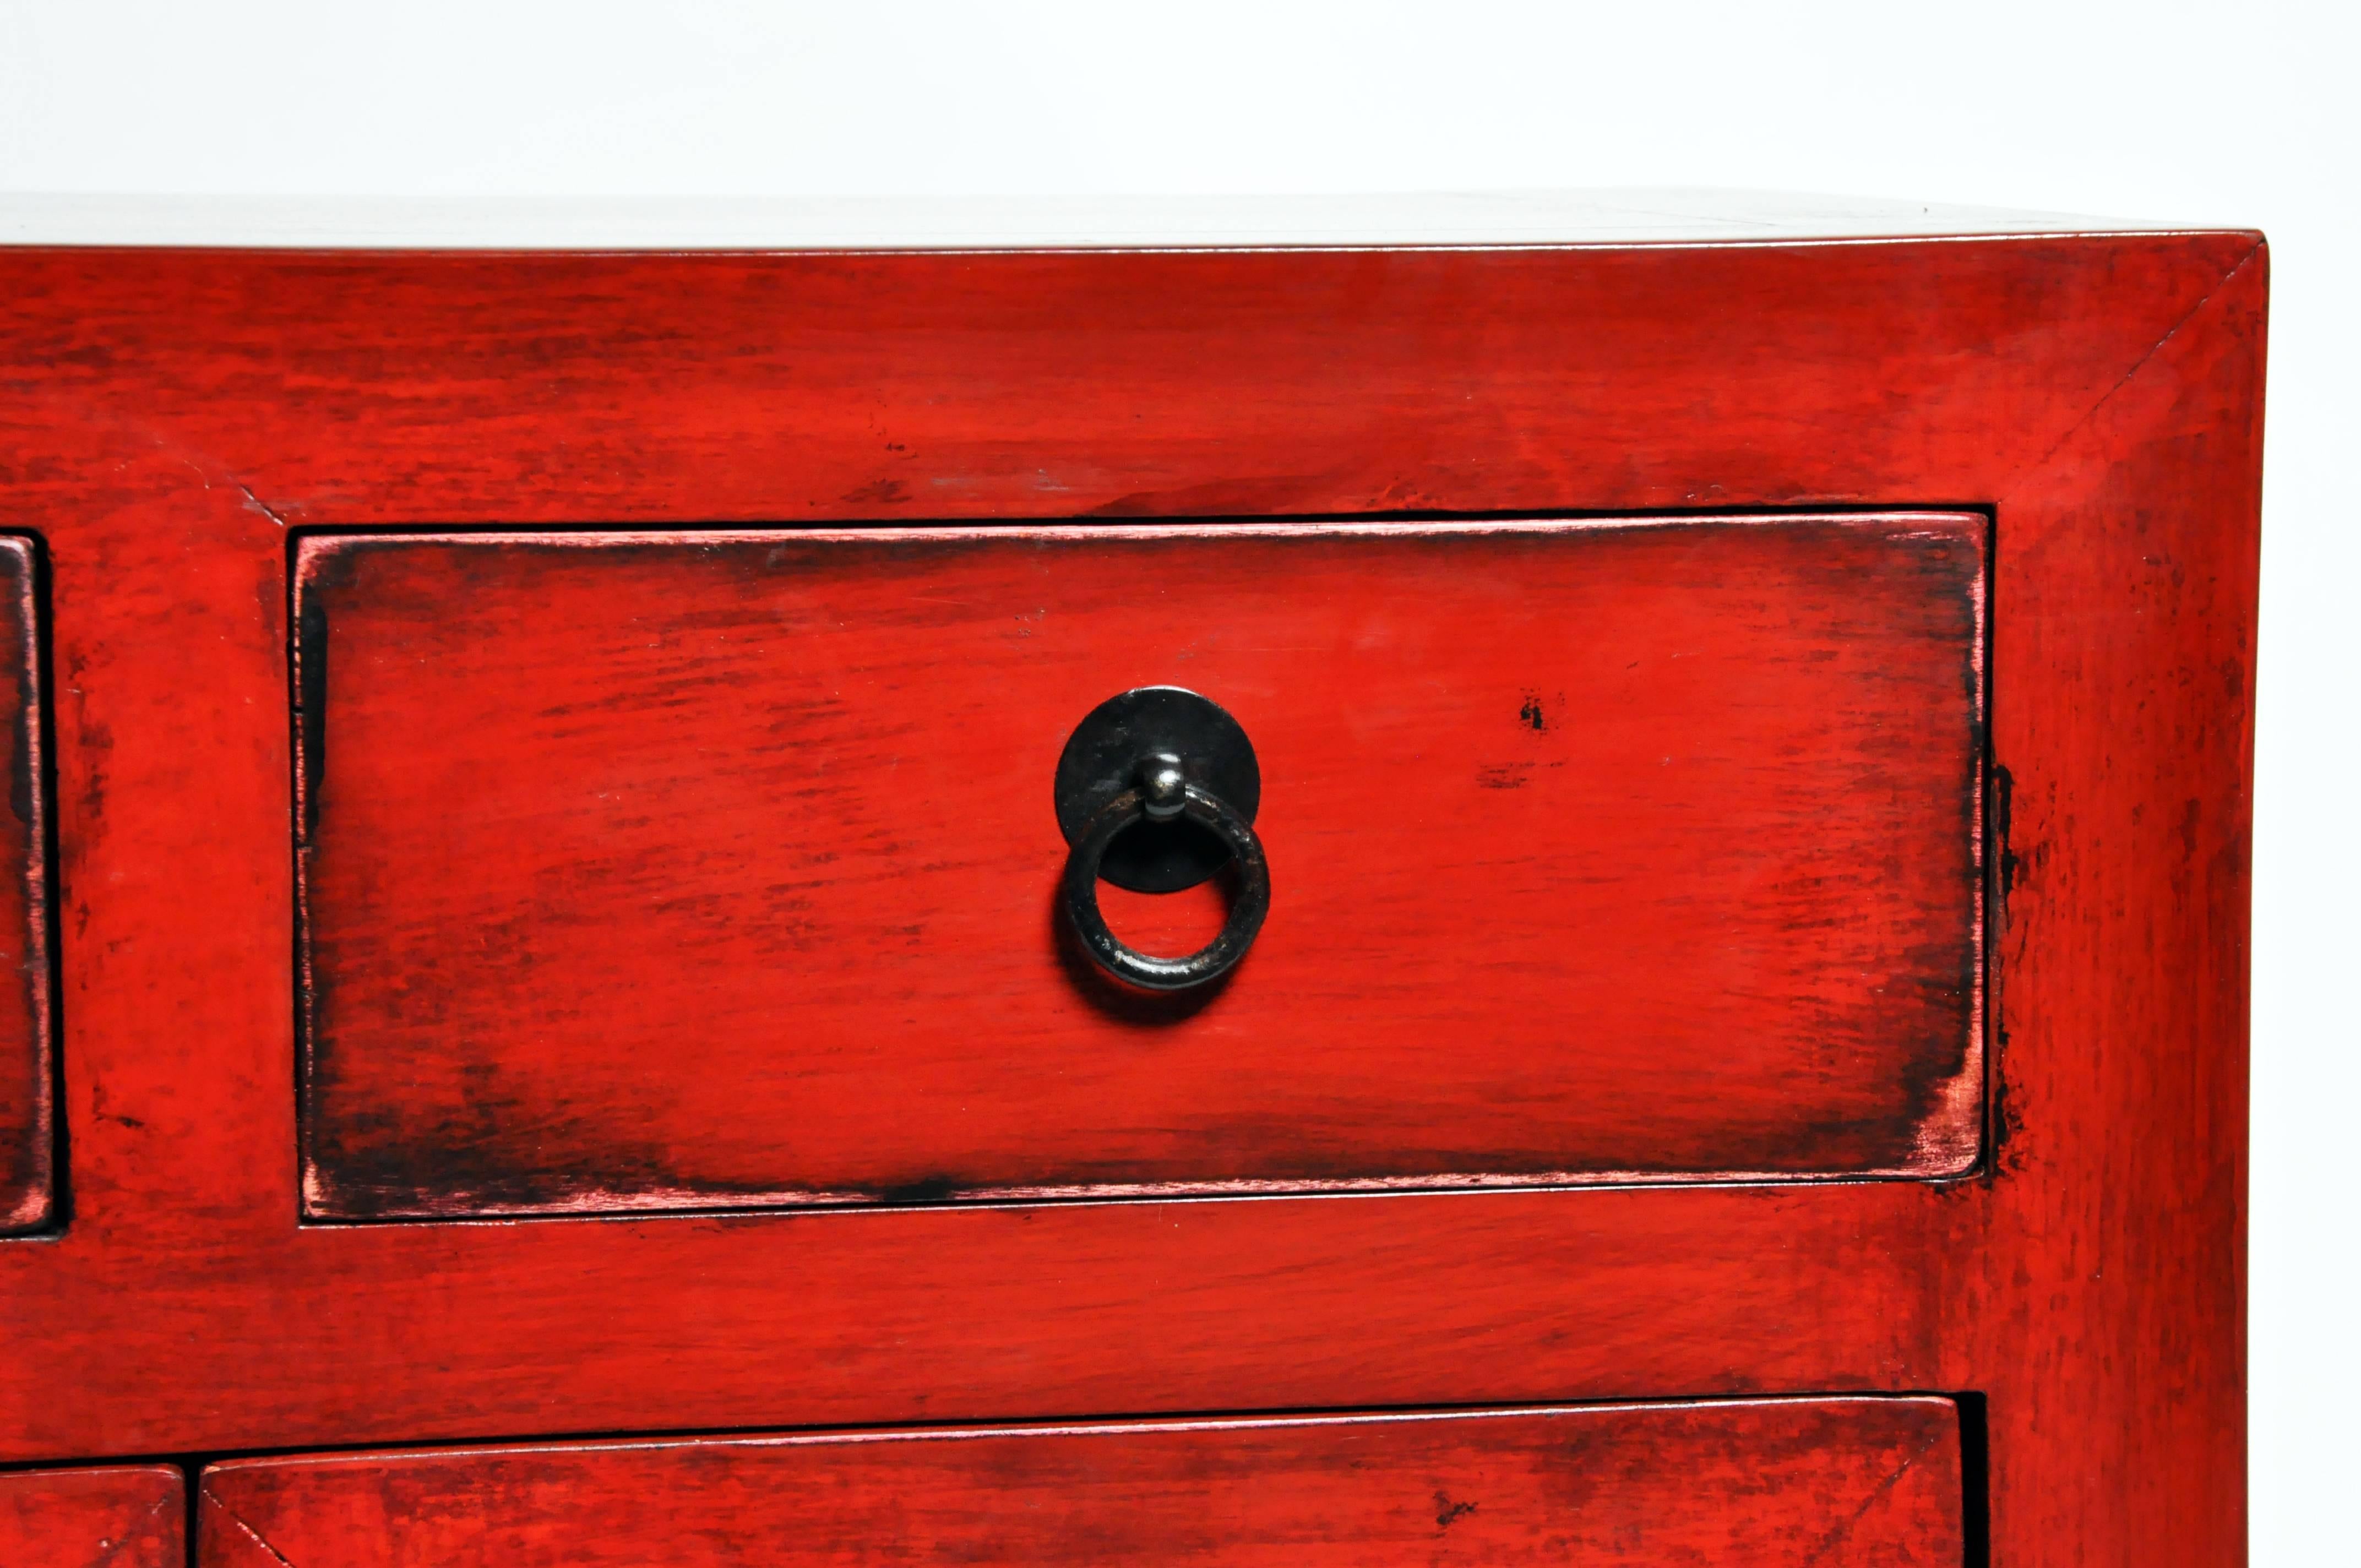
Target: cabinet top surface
(1633,216)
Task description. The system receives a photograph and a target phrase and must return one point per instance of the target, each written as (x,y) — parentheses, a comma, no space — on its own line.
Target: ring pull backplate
(1156,792)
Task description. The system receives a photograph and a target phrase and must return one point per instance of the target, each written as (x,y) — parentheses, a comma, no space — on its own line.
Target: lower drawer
(1766,1482)
(120,1515)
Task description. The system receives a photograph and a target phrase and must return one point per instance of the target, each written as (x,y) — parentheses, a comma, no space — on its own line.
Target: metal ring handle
(1208,962)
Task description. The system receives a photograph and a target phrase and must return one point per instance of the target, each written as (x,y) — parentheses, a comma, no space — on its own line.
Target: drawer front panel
(689,870)
(121,1517)
(27,1199)
(1768,1484)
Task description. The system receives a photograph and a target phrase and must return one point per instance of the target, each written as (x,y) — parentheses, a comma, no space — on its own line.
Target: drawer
(723,868)
(1764,1483)
(120,1515)
(27,1077)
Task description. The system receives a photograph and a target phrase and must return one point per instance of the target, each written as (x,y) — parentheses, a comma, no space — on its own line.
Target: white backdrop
(2242,114)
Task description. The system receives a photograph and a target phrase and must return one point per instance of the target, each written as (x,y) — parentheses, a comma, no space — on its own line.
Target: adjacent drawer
(28,1136)
(1778,1484)
(700,870)
(119,1517)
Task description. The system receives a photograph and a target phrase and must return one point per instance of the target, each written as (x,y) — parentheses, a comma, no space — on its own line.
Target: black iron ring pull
(1161,794)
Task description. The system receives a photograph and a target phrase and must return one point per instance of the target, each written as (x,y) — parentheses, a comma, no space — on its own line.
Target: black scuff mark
(929,1189)
(884,492)
(2003,790)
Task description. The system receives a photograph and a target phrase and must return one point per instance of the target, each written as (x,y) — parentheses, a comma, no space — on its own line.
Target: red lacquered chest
(1221,901)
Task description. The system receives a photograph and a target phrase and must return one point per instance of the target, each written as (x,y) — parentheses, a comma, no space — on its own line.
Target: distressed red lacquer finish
(109,1516)
(1782,1484)
(27,1131)
(1605,850)
(171,416)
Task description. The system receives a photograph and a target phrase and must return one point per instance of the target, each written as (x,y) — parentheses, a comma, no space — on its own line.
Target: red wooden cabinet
(555,755)
(103,1517)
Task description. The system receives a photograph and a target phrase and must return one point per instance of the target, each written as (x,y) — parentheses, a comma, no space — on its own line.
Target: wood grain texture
(114,1517)
(684,870)
(27,1076)
(1772,1485)
(171,415)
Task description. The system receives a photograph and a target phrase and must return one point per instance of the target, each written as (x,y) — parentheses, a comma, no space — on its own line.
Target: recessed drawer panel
(1772,1483)
(699,870)
(28,1199)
